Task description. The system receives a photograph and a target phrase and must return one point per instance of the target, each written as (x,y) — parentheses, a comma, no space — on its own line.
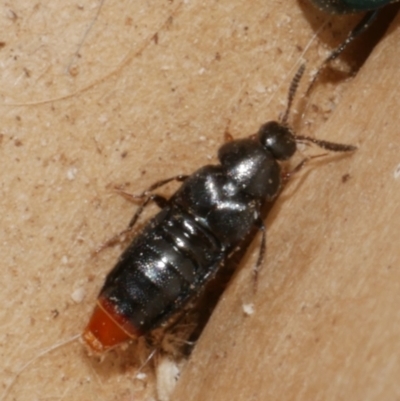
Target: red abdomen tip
(107,328)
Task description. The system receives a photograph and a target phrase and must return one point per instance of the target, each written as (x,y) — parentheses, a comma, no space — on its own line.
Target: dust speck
(78,295)
(396,173)
(248,309)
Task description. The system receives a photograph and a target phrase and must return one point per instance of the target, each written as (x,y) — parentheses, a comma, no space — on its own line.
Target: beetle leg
(286,176)
(159,200)
(148,197)
(261,226)
(158,184)
(364,24)
(227,135)
(133,197)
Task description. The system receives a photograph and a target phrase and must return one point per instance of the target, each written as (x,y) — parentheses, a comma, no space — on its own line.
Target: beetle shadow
(209,298)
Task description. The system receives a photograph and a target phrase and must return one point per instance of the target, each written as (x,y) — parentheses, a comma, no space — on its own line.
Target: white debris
(396,173)
(78,295)
(248,309)
(167,372)
(71,173)
(141,376)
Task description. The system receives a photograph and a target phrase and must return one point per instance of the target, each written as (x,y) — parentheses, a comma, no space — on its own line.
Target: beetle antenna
(331,146)
(292,92)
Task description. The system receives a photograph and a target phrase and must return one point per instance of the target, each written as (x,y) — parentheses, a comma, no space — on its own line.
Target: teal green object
(350,6)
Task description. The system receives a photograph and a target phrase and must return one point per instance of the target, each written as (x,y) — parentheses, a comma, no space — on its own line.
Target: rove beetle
(180,249)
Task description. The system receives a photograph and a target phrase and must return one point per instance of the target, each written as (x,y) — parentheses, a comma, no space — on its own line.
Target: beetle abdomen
(163,268)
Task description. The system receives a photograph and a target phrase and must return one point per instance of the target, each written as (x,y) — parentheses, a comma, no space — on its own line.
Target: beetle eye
(277,139)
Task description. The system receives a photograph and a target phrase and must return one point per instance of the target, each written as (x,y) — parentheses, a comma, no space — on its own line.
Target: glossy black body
(213,211)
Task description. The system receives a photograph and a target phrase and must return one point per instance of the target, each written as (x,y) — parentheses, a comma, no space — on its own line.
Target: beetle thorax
(251,168)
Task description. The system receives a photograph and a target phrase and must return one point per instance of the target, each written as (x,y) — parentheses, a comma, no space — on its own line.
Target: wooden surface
(326,323)
(139,92)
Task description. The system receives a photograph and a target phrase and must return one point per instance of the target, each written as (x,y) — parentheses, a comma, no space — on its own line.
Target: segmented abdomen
(164,266)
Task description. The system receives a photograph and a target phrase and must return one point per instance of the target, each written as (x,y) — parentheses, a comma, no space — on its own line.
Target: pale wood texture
(326,323)
(150,95)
